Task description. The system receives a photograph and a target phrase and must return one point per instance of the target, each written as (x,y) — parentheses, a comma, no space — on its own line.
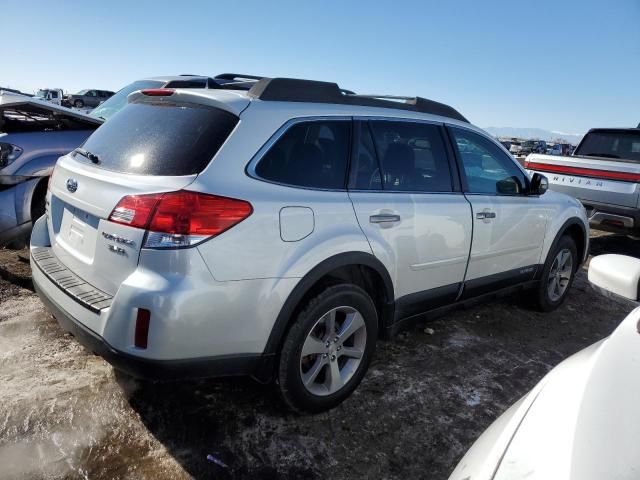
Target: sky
(565,66)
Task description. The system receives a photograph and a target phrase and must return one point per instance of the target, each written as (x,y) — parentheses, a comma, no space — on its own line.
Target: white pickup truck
(603,173)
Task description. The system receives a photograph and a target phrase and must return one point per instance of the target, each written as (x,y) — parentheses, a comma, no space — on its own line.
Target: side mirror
(539,184)
(617,274)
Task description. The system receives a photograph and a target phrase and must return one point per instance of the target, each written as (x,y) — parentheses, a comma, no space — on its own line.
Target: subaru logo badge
(72,185)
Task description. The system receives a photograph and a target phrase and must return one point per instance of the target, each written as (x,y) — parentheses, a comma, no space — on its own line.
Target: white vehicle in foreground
(582,421)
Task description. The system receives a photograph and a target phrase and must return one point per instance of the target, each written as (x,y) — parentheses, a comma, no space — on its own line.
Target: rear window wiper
(87,154)
(605,155)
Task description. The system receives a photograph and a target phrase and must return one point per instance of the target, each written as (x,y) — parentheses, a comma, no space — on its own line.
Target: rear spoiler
(232,102)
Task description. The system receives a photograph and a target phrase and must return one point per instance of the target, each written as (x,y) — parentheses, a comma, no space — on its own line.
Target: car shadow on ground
(197,421)
(619,244)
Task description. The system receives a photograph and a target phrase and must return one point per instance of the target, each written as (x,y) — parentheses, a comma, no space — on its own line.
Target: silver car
(279,232)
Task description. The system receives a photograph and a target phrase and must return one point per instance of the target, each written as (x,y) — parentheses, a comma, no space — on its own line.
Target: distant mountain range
(534,133)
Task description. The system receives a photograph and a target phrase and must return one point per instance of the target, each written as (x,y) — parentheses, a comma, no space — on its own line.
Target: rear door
(404,195)
(508,225)
(146,149)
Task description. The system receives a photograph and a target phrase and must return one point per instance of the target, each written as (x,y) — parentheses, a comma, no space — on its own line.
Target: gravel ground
(64,413)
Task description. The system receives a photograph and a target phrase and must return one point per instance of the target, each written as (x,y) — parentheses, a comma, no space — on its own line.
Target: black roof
(313,91)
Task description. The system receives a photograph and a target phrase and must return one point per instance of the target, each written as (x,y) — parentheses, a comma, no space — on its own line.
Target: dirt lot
(64,413)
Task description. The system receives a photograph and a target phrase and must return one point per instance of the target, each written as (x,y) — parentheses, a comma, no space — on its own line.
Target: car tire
(558,274)
(331,370)
(78,103)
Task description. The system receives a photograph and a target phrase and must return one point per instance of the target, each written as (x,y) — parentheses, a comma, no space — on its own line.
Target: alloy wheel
(333,350)
(560,275)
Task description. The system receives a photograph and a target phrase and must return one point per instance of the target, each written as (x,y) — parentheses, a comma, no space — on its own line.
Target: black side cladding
(313,91)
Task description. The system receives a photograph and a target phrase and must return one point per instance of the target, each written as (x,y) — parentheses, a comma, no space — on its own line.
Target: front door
(403,194)
(508,224)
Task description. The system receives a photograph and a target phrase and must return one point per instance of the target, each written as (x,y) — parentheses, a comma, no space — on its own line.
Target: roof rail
(313,91)
(237,77)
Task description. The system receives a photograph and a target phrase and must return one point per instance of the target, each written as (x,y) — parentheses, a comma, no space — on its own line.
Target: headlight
(8,154)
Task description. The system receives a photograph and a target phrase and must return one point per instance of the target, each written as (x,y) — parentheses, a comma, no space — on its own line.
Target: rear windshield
(623,145)
(160,140)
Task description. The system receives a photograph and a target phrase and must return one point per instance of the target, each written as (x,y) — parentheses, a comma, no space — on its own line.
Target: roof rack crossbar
(313,91)
(383,97)
(238,77)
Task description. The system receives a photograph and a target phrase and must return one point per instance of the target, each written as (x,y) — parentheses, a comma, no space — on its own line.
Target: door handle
(384,218)
(485,215)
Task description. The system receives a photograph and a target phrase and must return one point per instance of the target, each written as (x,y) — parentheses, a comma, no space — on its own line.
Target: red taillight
(180,218)
(142,328)
(135,210)
(158,92)
(586,172)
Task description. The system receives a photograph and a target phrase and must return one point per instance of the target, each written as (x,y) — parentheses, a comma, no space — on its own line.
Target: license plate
(78,234)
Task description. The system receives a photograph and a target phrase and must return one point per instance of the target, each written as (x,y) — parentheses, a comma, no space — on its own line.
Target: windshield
(620,144)
(41,93)
(82,92)
(115,103)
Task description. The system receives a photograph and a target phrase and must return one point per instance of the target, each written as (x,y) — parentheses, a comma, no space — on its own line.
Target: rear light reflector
(180,219)
(142,328)
(158,92)
(585,172)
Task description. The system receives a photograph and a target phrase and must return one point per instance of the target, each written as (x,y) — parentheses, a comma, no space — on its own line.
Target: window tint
(310,154)
(412,156)
(486,167)
(365,170)
(160,140)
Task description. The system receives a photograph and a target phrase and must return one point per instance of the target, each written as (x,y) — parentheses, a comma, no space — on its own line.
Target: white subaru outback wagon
(279,231)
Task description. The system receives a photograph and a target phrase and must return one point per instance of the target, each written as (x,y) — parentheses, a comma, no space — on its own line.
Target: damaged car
(33,134)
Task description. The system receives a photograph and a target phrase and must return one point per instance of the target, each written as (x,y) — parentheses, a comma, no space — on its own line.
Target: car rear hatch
(590,179)
(158,143)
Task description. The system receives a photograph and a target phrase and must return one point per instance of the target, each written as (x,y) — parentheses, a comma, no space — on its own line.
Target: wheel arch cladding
(575,229)
(358,268)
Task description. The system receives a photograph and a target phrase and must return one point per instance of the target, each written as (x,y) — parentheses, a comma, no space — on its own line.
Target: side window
(486,167)
(310,154)
(412,156)
(91,93)
(365,170)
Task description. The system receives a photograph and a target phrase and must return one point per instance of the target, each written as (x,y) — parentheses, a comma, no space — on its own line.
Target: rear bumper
(199,327)
(612,218)
(217,366)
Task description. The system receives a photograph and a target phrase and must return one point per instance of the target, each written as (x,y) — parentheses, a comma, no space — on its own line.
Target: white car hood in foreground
(582,422)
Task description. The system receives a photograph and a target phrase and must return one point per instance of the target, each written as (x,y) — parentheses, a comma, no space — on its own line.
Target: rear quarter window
(310,154)
(170,140)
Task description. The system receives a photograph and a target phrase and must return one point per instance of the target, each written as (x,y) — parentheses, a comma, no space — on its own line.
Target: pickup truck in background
(603,173)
